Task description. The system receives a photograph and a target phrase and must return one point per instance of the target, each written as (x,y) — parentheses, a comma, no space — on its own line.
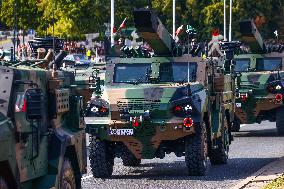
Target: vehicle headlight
(278,87)
(96,110)
(182,110)
(188,108)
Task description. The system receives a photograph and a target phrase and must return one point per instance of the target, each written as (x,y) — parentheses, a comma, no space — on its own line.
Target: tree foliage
(27,13)
(76,17)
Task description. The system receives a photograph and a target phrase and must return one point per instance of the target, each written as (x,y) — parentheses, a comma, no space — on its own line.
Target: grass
(276,184)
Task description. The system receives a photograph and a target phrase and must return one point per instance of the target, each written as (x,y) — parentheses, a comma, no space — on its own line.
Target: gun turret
(154,32)
(251,36)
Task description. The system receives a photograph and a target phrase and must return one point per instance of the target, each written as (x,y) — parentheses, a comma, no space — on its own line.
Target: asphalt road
(254,146)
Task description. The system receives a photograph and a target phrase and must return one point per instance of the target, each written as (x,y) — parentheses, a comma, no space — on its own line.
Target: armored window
(178,72)
(242,65)
(132,73)
(268,64)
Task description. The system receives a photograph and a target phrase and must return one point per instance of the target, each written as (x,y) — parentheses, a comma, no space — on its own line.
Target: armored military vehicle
(260,81)
(85,79)
(42,131)
(153,106)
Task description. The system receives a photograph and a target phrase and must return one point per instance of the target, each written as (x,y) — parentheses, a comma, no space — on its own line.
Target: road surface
(254,146)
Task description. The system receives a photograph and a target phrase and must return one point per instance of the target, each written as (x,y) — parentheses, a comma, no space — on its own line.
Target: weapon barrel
(251,36)
(58,59)
(154,32)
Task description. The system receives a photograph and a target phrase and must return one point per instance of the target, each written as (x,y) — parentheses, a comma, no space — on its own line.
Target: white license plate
(239,105)
(121,132)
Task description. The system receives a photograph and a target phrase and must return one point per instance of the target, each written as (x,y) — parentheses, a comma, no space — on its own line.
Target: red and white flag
(114,30)
(122,25)
(215,32)
(179,30)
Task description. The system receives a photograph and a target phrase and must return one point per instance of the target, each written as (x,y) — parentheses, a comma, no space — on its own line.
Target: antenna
(53,40)
(15,28)
(225,20)
(112,21)
(174,18)
(230,26)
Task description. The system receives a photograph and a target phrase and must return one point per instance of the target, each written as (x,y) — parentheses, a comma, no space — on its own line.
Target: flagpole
(15,29)
(112,21)
(53,40)
(230,26)
(174,18)
(225,33)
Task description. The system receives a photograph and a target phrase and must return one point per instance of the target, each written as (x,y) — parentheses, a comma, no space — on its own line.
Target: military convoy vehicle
(152,106)
(42,131)
(260,81)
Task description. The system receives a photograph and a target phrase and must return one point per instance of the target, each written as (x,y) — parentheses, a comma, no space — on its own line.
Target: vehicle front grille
(138,104)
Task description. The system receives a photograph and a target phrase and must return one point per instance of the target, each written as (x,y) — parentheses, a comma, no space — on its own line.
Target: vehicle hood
(258,79)
(158,99)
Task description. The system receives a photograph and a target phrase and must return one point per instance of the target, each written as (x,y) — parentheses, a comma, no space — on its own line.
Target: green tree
(76,17)
(28,15)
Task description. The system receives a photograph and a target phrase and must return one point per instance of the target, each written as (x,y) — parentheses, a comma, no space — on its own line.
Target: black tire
(196,149)
(236,126)
(101,159)
(280,121)
(67,176)
(129,159)
(3,184)
(219,155)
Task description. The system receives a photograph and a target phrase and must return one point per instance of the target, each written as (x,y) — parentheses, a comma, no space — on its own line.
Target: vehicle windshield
(268,64)
(178,72)
(131,73)
(242,65)
(79,57)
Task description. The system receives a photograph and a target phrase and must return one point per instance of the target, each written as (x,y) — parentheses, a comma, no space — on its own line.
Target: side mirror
(34,104)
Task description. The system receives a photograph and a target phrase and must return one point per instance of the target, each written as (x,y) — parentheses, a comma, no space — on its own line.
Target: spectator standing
(88,53)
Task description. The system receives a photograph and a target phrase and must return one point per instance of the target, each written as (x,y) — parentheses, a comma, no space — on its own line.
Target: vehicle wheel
(101,159)
(280,121)
(196,151)
(236,126)
(219,155)
(129,159)
(67,177)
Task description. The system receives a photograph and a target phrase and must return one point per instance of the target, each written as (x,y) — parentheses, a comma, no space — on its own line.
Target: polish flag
(215,32)
(114,30)
(122,25)
(179,30)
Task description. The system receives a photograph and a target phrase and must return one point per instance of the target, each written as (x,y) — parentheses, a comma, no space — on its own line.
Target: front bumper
(100,127)
(251,110)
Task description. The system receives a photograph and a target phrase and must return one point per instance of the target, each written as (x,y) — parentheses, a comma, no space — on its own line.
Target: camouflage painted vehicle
(85,79)
(162,104)
(42,132)
(260,81)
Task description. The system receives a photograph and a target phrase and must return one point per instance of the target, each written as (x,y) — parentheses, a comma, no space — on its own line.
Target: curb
(262,177)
